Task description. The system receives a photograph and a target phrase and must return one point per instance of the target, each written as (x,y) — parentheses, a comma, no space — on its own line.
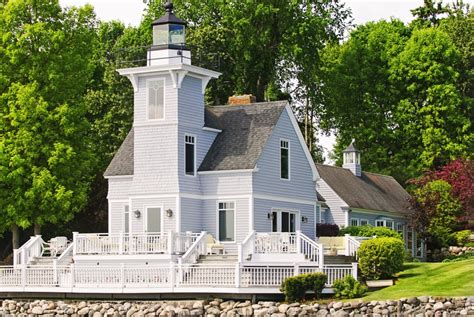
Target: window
(284,159)
(385,223)
(190,155)
(400,228)
(354,222)
(226,214)
(389,224)
(156,96)
(364,222)
(380,223)
(126,219)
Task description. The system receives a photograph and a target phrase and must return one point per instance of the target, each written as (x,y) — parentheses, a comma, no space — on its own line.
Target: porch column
(354,270)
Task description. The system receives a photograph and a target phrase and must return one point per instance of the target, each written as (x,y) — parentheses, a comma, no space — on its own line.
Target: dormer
(352,159)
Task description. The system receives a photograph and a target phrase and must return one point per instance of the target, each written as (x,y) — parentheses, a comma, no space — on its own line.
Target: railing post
(121,242)
(354,270)
(321,256)
(74,241)
(296,271)
(237,274)
(173,276)
(122,274)
(73,276)
(298,241)
(23,275)
(240,253)
(55,272)
(15,257)
(170,242)
(23,256)
(346,244)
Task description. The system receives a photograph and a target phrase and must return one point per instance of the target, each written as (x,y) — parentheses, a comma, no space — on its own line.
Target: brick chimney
(241,100)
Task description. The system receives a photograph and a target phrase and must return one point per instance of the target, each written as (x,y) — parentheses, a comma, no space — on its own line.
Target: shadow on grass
(407,275)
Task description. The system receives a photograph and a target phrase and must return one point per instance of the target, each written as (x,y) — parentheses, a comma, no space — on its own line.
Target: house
(201,199)
(353,197)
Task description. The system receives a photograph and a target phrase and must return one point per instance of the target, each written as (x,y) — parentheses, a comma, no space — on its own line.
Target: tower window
(190,155)
(156,102)
(284,159)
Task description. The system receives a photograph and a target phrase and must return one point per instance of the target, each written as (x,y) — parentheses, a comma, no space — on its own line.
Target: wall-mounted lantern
(137,213)
(304,219)
(270,215)
(169,213)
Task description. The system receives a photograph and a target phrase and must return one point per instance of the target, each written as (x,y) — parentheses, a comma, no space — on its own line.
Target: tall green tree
(45,67)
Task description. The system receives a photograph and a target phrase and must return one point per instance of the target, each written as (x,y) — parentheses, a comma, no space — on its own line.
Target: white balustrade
(265,275)
(145,243)
(10,276)
(246,249)
(351,245)
(207,275)
(312,250)
(28,251)
(275,242)
(334,272)
(197,249)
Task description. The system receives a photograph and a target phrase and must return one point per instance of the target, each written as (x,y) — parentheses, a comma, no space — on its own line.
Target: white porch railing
(352,244)
(28,251)
(122,243)
(197,249)
(280,243)
(150,277)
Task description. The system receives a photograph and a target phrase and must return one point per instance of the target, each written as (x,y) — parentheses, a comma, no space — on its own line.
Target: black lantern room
(169,31)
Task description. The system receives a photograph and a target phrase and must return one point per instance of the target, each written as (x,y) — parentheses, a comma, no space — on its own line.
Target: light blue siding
(334,214)
(267,179)
(191,215)
(373,217)
(263,206)
(227,184)
(138,224)
(191,103)
(119,188)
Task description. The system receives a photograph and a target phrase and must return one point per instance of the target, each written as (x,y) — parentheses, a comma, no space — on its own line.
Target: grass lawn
(435,279)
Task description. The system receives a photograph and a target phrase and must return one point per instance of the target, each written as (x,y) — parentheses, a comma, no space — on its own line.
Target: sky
(130,12)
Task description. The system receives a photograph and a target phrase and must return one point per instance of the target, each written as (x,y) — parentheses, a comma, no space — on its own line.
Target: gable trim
(228,171)
(309,158)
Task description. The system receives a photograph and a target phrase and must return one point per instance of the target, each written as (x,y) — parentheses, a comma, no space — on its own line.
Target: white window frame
(148,81)
(217,220)
(186,135)
(356,220)
(289,158)
(125,212)
(366,222)
(384,222)
(297,214)
(162,218)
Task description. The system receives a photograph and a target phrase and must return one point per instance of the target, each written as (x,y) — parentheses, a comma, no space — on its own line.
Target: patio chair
(212,245)
(57,245)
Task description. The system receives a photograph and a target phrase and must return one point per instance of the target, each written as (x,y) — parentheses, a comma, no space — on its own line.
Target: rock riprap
(412,306)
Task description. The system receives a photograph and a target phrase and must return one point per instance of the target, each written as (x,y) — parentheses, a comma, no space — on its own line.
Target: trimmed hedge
(295,287)
(327,230)
(369,231)
(349,287)
(381,257)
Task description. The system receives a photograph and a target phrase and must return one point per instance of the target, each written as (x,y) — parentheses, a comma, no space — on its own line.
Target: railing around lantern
(124,243)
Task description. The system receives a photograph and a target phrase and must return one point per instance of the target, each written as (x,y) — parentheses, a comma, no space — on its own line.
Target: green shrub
(349,287)
(462,237)
(381,257)
(295,287)
(369,231)
(457,258)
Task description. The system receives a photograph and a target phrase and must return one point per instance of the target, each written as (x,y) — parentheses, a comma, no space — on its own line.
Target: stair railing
(195,250)
(311,250)
(31,249)
(351,245)
(246,248)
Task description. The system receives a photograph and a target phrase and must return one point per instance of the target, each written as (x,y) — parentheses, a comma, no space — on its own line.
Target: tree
(45,158)
(434,212)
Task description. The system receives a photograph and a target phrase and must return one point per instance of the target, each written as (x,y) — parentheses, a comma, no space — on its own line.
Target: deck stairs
(218,259)
(338,259)
(49,261)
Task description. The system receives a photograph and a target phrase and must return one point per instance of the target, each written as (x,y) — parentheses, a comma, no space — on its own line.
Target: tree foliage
(45,159)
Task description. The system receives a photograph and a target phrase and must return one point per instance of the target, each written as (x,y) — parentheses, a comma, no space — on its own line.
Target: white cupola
(352,159)
(169,40)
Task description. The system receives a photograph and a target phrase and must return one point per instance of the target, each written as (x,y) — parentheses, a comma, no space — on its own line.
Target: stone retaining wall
(440,254)
(414,306)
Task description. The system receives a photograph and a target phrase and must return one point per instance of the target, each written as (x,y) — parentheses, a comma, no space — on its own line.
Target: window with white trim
(190,155)
(226,213)
(364,222)
(354,222)
(126,219)
(385,223)
(380,223)
(284,159)
(156,99)
(389,224)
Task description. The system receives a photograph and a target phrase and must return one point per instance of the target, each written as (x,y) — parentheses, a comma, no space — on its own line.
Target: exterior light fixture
(270,215)
(137,213)
(169,213)
(304,219)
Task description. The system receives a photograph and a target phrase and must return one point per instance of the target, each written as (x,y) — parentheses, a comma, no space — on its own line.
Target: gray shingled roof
(351,148)
(370,191)
(245,131)
(122,163)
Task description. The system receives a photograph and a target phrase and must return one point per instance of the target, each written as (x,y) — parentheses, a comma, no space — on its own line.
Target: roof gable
(245,131)
(122,162)
(370,191)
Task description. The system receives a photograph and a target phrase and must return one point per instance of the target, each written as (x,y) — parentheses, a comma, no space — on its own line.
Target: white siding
(263,206)
(191,103)
(191,215)
(169,223)
(267,179)
(119,188)
(335,214)
(226,183)
(116,216)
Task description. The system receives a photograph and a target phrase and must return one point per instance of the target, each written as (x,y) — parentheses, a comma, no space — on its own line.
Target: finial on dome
(169,6)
